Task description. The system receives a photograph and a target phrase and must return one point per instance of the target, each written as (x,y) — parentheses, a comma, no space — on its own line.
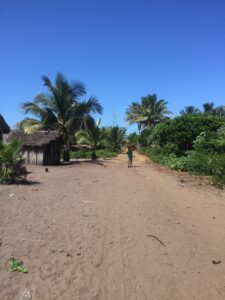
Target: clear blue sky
(120,49)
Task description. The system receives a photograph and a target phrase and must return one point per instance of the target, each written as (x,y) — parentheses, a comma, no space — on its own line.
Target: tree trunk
(66,153)
(94,156)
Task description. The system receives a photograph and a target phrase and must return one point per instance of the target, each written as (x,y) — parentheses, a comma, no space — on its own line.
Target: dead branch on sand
(155,237)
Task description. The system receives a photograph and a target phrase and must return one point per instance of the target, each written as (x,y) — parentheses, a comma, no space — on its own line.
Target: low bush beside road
(102,153)
(194,162)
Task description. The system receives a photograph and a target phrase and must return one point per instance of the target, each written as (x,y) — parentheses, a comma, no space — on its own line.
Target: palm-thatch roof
(38,138)
(4,127)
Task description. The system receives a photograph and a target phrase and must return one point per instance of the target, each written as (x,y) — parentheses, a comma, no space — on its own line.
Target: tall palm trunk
(94,156)
(66,153)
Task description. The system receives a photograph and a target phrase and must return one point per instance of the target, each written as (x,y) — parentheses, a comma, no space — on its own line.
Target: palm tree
(114,137)
(93,136)
(148,113)
(209,108)
(134,114)
(220,111)
(190,110)
(61,109)
(29,125)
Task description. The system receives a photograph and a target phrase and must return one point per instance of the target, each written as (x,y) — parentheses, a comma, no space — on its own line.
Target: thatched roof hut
(40,148)
(4,127)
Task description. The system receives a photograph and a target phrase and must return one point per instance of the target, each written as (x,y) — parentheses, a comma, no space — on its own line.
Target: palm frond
(78,89)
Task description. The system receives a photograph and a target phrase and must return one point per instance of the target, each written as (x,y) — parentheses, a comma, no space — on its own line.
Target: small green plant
(12,167)
(15,265)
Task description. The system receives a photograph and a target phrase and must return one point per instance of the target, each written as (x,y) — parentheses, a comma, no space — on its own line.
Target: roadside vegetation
(12,169)
(87,154)
(103,142)
(192,142)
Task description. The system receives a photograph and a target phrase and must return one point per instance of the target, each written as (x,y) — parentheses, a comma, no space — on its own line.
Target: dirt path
(103,231)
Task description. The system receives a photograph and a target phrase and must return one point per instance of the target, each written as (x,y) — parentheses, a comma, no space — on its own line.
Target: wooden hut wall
(52,154)
(33,155)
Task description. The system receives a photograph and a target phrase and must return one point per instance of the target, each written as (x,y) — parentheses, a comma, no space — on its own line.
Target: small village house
(39,148)
(4,127)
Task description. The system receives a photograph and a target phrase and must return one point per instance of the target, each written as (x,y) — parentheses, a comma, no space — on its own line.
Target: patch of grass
(80,154)
(102,153)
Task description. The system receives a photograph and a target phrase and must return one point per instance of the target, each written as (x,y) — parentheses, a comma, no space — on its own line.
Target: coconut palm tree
(61,109)
(209,108)
(220,111)
(93,136)
(29,125)
(114,137)
(134,114)
(190,110)
(148,113)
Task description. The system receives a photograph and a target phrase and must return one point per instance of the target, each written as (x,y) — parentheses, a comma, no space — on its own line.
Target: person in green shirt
(130,155)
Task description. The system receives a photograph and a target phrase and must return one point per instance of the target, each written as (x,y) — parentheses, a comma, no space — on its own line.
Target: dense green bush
(143,138)
(11,163)
(179,134)
(210,142)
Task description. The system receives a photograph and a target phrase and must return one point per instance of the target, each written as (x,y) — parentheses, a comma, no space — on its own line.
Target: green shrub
(133,138)
(194,162)
(101,153)
(144,136)
(180,133)
(80,154)
(218,170)
(12,167)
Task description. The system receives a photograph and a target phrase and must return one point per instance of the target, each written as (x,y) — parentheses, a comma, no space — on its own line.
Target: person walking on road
(130,155)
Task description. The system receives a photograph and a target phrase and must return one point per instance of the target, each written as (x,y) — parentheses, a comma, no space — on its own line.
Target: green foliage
(11,163)
(101,153)
(114,137)
(80,154)
(148,113)
(190,110)
(104,153)
(29,125)
(193,142)
(144,136)
(61,109)
(133,138)
(93,136)
(208,109)
(15,265)
(181,132)
(195,162)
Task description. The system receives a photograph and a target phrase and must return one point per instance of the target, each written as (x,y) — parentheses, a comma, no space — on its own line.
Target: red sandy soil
(104,231)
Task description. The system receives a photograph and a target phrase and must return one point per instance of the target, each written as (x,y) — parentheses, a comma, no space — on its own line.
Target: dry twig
(155,237)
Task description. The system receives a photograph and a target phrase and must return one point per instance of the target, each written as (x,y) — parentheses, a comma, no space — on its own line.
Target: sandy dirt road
(93,231)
